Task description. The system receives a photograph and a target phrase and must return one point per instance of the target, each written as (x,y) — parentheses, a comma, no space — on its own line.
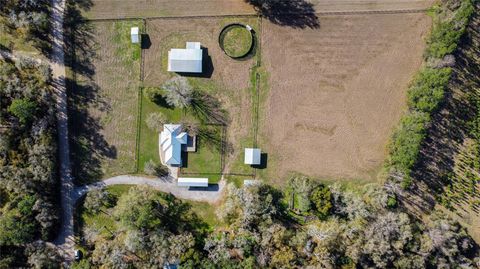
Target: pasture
(337,92)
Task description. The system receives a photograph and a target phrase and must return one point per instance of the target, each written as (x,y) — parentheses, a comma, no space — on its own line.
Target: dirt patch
(226,79)
(338,91)
(158,8)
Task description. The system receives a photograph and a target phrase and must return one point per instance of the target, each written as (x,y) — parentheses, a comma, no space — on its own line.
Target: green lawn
(205,162)
(148,144)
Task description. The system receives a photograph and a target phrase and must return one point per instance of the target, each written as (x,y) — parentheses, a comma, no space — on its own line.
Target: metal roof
(187,60)
(171,141)
(252,156)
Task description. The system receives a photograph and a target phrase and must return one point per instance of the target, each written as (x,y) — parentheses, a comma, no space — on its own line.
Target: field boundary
(251,15)
(139,123)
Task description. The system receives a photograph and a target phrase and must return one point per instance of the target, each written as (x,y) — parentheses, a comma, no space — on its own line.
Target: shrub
(154,169)
(23,109)
(153,94)
(392,202)
(428,88)
(178,92)
(405,145)
(321,199)
(155,121)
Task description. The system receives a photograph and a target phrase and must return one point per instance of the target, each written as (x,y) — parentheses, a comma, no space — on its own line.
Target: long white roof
(171,141)
(187,60)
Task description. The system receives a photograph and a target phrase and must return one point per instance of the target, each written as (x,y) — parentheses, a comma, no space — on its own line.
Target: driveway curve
(211,194)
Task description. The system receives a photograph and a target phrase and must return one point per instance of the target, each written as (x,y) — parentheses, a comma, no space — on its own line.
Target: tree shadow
(207,66)
(208,109)
(88,146)
(293,13)
(449,127)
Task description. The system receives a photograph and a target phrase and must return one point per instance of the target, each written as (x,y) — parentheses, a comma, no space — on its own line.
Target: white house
(188,60)
(192,182)
(252,156)
(134,35)
(170,144)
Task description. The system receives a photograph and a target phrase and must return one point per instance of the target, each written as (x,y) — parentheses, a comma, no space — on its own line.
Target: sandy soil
(102,9)
(338,91)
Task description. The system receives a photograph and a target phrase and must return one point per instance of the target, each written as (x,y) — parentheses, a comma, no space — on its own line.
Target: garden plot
(337,92)
(104,102)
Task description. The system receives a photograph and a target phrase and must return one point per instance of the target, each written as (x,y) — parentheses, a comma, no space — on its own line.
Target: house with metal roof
(188,60)
(171,140)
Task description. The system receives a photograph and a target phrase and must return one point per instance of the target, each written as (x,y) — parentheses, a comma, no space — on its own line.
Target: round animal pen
(236,40)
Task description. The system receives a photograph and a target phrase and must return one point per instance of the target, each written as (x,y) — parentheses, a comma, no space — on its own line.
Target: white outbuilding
(192,182)
(253,156)
(135,35)
(188,60)
(170,143)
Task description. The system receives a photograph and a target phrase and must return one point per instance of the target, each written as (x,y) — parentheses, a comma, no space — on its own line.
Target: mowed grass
(103,117)
(206,161)
(148,144)
(237,41)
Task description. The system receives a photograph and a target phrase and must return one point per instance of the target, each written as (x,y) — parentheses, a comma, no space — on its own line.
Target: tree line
(358,229)
(28,176)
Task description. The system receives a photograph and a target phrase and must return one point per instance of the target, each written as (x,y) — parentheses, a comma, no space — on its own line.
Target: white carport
(192,182)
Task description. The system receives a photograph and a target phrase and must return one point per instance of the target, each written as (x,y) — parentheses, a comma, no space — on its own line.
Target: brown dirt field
(160,8)
(229,80)
(337,92)
(103,9)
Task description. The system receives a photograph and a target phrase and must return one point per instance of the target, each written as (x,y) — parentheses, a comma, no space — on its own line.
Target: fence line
(250,15)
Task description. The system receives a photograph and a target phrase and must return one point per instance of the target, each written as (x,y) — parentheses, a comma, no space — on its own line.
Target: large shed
(192,182)
(188,60)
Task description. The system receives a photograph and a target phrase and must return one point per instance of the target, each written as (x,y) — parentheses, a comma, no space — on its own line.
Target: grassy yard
(103,117)
(206,161)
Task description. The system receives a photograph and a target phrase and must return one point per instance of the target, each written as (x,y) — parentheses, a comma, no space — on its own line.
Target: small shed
(253,156)
(192,182)
(135,35)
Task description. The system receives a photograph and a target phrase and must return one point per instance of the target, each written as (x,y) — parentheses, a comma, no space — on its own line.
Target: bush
(405,145)
(155,121)
(23,109)
(154,169)
(428,89)
(153,94)
(321,199)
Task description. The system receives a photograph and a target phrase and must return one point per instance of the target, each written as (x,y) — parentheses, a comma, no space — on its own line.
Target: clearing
(226,80)
(104,98)
(337,91)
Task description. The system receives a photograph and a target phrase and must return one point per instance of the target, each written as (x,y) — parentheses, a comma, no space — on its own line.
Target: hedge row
(428,88)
